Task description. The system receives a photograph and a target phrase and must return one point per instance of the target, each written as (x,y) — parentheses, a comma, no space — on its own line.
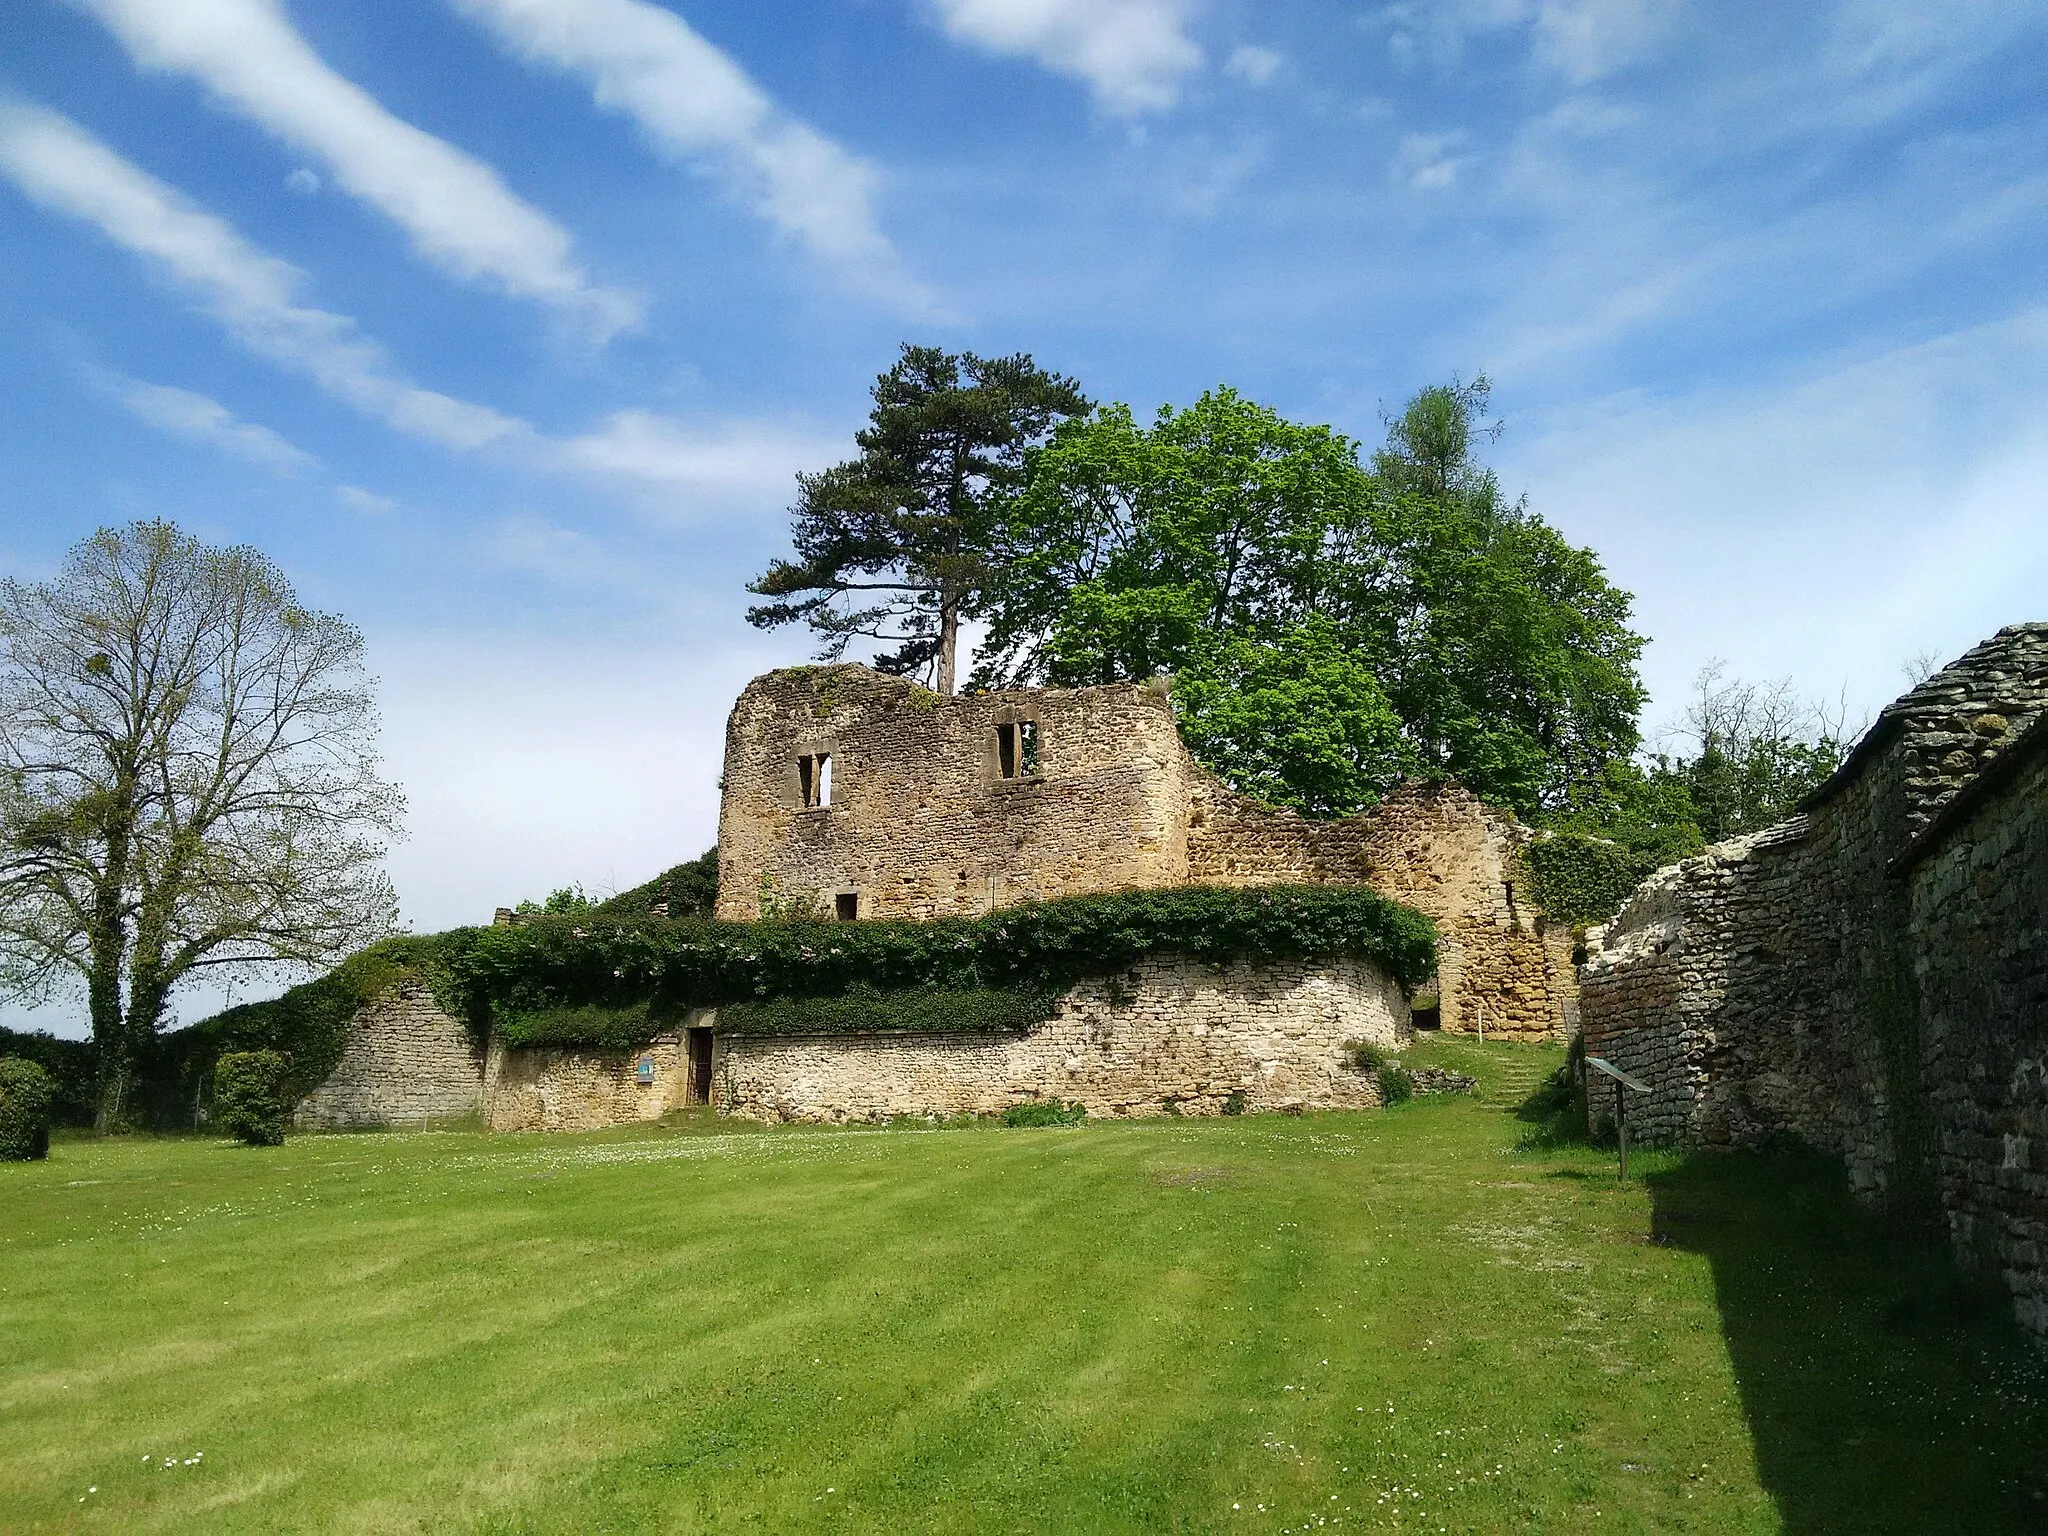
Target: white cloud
(252,294)
(1587,40)
(303,182)
(1427,160)
(356,499)
(1826,524)
(1253,65)
(746,459)
(1582,40)
(1133,54)
(459,214)
(698,106)
(187,414)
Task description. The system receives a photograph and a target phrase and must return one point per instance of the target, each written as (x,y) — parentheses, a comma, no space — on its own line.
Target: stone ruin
(851,795)
(859,796)
(1869,976)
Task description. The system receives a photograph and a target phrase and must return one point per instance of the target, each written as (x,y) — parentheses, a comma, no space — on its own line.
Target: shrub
(1397,1085)
(1044,1112)
(71,1069)
(1234,1102)
(251,1097)
(26,1092)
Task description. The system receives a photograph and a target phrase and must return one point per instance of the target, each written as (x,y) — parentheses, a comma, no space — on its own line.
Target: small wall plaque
(644,1072)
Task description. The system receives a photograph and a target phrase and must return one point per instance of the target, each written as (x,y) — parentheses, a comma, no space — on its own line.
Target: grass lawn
(1410,1321)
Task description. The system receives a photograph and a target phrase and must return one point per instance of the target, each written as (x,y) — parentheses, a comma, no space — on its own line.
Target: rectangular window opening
(1006,751)
(1027,748)
(846,906)
(814,780)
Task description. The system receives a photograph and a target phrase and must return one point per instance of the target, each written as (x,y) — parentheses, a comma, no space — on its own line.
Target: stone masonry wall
(1172,1035)
(406,1063)
(1866,975)
(1435,846)
(923,824)
(561,1088)
(1979,905)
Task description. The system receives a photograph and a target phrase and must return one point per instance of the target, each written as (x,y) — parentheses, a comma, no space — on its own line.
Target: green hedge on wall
(593,979)
(979,1011)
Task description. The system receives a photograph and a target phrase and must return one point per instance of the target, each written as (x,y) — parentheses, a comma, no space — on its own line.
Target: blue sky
(504,324)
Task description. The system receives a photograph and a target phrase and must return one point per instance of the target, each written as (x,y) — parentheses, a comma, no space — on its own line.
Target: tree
(188,783)
(1503,651)
(913,521)
(1759,749)
(1301,722)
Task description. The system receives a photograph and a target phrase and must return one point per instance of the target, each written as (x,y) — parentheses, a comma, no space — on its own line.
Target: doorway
(699,1041)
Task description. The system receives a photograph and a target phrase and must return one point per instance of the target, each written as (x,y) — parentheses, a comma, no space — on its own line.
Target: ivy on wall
(591,979)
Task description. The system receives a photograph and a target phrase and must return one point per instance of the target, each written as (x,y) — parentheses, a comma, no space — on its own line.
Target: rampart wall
(406,1063)
(1866,975)
(1171,1036)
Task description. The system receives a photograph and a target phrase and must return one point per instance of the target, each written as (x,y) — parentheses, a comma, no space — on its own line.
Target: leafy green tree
(188,783)
(900,544)
(1502,650)
(1302,722)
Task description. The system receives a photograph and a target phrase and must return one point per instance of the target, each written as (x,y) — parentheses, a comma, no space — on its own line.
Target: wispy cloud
(253,295)
(200,419)
(1253,65)
(1429,161)
(460,216)
(748,459)
(1132,54)
(1581,40)
(696,105)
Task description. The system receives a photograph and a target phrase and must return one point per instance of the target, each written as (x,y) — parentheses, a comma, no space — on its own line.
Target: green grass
(1423,1320)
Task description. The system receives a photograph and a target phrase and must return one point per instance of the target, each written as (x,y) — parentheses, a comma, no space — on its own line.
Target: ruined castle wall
(922,822)
(1979,904)
(406,1063)
(1173,1035)
(1870,974)
(1770,984)
(577,1088)
(1501,965)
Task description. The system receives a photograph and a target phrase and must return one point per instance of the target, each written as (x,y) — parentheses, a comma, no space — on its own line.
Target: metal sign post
(1622,1084)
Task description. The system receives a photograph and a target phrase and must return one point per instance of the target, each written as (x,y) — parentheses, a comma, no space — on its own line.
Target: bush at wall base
(251,1100)
(25,1094)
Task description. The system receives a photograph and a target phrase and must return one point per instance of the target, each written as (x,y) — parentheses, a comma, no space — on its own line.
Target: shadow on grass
(1885,1391)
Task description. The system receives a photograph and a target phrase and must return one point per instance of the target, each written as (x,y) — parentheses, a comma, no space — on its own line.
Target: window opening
(1017,750)
(814,780)
(846,906)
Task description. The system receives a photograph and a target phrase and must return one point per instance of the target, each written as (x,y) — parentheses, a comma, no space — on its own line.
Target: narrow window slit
(814,780)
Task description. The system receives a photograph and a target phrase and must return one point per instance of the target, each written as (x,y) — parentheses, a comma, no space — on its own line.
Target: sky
(505,325)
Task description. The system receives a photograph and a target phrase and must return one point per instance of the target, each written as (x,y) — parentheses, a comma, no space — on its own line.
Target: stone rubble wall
(1502,967)
(1173,1035)
(1979,908)
(406,1063)
(574,1088)
(1868,974)
(923,825)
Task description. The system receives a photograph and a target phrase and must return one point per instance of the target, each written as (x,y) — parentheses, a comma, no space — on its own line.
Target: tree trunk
(949,642)
(112,1051)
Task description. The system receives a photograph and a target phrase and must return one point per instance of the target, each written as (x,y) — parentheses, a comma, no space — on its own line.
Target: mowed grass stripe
(1404,1321)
